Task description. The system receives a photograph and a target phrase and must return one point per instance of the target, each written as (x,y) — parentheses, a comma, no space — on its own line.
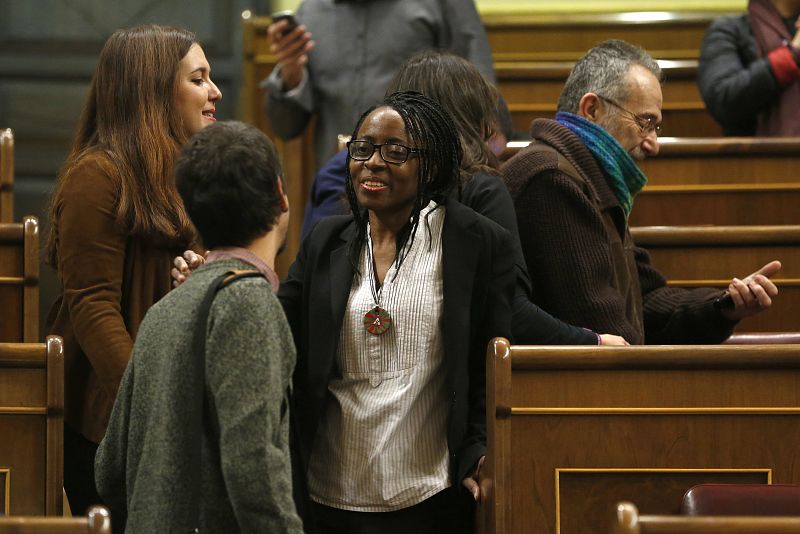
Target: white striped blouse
(382,444)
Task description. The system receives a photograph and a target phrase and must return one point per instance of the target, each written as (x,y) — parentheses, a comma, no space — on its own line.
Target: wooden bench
(725,204)
(96,521)
(32,427)
(6,176)
(710,256)
(721,181)
(531,90)
(715,161)
(629,521)
(724,160)
(567,36)
(574,430)
(19,281)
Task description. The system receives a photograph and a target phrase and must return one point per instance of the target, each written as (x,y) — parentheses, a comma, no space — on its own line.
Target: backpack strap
(197,375)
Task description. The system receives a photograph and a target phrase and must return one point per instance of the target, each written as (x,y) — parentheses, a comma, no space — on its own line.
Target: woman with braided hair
(391,310)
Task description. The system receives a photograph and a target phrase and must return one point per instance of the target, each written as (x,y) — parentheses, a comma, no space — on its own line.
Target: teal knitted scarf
(625,177)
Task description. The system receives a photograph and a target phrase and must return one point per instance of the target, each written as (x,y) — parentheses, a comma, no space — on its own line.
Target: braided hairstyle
(431,130)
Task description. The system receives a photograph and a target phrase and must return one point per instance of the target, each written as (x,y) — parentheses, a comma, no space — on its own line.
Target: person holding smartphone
(341,55)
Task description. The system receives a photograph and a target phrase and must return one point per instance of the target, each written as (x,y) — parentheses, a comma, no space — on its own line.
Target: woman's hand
(610,340)
(471,482)
(184,265)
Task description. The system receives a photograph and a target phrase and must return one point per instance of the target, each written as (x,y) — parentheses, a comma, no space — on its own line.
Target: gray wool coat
(143,468)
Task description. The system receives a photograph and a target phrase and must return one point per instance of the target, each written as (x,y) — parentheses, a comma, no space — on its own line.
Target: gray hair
(603,70)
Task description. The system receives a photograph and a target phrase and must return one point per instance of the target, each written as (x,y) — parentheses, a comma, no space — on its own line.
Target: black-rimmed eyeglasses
(646,124)
(390,152)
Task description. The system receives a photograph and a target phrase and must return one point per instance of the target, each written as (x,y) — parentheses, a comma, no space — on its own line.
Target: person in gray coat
(341,57)
(210,450)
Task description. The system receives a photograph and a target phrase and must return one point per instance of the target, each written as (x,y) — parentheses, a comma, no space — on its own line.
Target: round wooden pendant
(377,321)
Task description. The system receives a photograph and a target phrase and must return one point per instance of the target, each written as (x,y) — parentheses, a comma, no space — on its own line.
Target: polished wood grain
(713,252)
(19,281)
(727,204)
(724,160)
(566,37)
(716,160)
(720,181)
(96,521)
(31,425)
(6,176)
(532,89)
(574,429)
(710,256)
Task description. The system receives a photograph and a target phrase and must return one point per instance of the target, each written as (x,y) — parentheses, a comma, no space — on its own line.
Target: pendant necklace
(376,320)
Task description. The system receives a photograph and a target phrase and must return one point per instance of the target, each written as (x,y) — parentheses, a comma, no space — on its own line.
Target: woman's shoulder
(329,227)
(89,175)
(460,214)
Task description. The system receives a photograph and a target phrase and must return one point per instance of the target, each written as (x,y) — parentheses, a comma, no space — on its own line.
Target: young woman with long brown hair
(116,221)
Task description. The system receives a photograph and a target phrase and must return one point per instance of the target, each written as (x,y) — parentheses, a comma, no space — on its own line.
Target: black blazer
(478,285)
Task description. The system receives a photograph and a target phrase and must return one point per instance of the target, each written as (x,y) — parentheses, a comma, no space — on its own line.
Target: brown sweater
(109,279)
(583,264)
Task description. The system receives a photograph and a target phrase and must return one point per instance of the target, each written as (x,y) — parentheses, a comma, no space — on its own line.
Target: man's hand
(291,50)
(184,265)
(471,481)
(752,294)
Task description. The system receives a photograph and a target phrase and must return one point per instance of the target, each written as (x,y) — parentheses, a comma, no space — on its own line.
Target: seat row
(572,431)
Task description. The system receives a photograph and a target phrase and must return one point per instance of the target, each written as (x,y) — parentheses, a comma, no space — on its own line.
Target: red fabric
(784,66)
(782,117)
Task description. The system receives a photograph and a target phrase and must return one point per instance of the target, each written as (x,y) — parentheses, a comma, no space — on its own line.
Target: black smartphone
(287,16)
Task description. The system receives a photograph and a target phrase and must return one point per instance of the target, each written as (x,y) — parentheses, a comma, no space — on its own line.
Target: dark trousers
(79,455)
(451,511)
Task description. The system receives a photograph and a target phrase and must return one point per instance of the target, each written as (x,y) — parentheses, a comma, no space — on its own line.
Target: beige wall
(528,6)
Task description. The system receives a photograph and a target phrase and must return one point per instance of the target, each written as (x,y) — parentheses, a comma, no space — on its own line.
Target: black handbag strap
(198,376)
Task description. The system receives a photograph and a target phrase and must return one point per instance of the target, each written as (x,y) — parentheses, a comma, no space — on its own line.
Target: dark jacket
(478,285)
(735,82)
(584,266)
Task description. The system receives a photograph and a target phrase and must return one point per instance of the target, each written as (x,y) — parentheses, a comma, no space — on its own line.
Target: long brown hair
(129,123)
(459,87)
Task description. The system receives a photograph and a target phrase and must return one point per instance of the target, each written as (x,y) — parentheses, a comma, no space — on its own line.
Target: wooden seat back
(32,428)
(629,521)
(567,36)
(571,431)
(96,521)
(532,89)
(19,281)
(695,161)
(6,176)
(710,256)
(720,181)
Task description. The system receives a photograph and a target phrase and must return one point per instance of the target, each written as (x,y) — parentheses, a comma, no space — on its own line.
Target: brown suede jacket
(109,279)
